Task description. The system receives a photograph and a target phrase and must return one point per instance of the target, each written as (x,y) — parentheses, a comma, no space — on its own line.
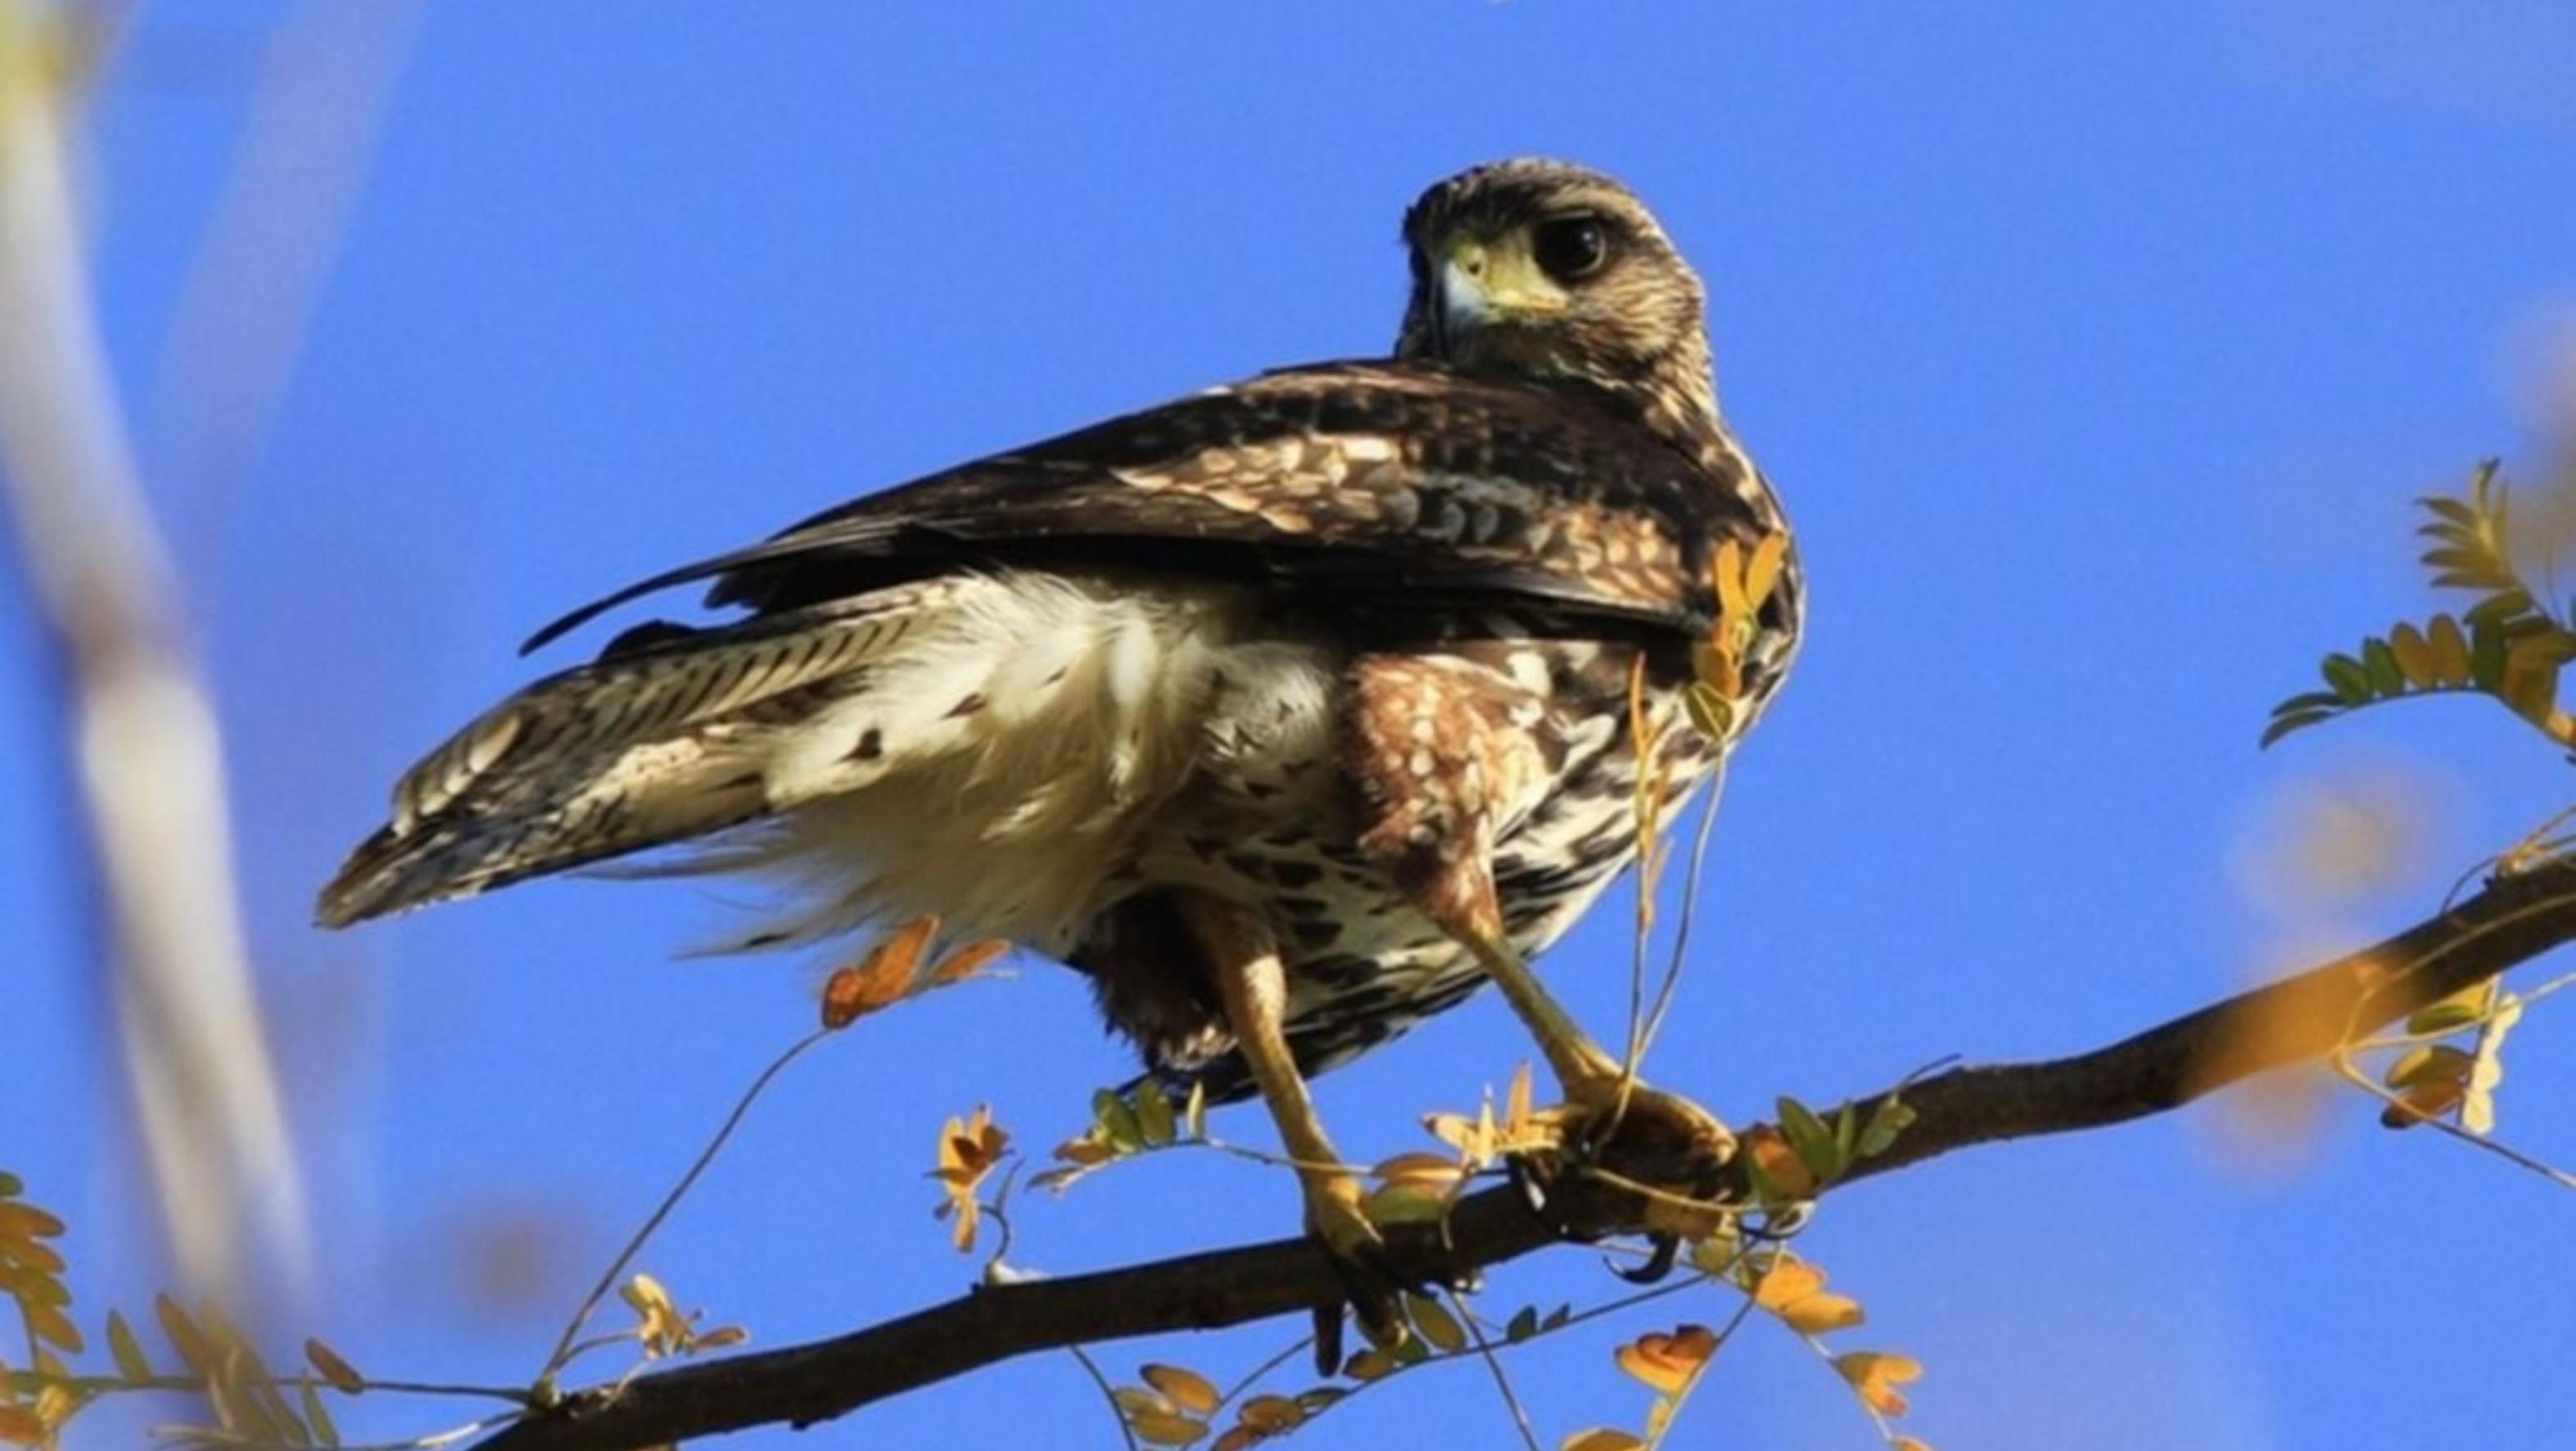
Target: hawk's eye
(1570,249)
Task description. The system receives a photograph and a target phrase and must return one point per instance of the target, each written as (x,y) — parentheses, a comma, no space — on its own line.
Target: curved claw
(1659,1264)
(1361,1265)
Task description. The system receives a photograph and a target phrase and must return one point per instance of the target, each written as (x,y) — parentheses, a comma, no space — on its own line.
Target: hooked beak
(1477,288)
(1459,302)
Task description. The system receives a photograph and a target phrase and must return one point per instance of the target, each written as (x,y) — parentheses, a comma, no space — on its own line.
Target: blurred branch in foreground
(145,739)
(2306,1017)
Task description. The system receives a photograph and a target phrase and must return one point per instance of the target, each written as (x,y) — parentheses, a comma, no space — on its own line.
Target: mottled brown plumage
(1290,712)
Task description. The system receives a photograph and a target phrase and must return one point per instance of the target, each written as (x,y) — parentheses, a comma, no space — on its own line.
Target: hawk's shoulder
(1386,486)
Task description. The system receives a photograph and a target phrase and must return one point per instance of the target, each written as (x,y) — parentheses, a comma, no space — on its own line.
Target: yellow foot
(1336,1215)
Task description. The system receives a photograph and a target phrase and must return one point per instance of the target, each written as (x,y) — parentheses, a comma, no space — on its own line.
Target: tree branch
(2304,1017)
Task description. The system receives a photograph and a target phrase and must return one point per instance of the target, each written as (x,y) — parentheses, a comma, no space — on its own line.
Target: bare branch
(2299,1018)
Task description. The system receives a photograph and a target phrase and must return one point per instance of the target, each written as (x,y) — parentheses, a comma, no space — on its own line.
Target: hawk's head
(1539,269)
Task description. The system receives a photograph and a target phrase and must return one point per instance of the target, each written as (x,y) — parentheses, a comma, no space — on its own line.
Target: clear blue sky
(2096,349)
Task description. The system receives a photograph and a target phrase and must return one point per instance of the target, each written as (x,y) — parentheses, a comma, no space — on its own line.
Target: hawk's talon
(1337,1218)
(1659,1263)
(1636,1119)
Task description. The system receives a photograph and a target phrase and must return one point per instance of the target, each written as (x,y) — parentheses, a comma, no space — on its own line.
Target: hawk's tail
(667,737)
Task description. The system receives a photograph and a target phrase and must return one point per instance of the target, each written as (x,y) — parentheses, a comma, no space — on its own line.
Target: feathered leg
(1437,758)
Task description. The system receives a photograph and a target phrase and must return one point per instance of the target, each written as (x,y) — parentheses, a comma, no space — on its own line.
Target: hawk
(1290,712)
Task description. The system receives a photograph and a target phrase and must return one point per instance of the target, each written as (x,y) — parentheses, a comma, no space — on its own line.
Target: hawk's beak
(1463,304)
(1478,286)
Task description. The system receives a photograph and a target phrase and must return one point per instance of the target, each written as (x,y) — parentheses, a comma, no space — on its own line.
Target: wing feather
(1387,487)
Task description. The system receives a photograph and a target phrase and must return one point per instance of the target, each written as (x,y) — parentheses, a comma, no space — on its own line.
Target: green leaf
(2283,725)
(2454,1012)
(1557,1317)
(11,1186)
(2350,680)
(1117,1121)
(1523,1325)
(2312,700)
(2500,607)
(1154,1120)
(1891,1119)
(2429,1063)
(2386,678)
(2486,653)
(1810,1140)
(1436,1324)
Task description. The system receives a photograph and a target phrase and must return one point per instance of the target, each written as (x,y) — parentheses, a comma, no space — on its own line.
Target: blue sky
(2097,351)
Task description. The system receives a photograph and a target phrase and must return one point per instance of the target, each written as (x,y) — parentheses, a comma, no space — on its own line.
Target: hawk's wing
(1365,485)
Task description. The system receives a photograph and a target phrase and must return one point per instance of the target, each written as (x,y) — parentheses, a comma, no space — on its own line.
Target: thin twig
(635,1245)
(1494,1363)
(1108,1394)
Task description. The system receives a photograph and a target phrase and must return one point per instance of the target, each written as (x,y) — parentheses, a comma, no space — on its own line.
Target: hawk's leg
(1242,955)
(1439,751)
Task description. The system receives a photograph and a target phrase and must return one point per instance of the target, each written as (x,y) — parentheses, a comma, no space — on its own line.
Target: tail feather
(980,746)
(642,748)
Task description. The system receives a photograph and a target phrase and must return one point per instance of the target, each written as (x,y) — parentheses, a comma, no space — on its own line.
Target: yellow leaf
(1369,1365)
(1666,1363)
(1711,713)
(882,977)
(1771,1153)
(1875,1375)
(1763,570)
(1786,1283)
(185,1338)
(2414,656)
(25,1221)
(19,1428)
(1472,1138)
(31,1254)
(1185,1388)
(1267,1414)
(1601,1438)
(2430,1063)
(2450,651)
(1435,1170)
(1086,1151)
(1166,1428)
(968,961)
(1240,1438)
(2421,1102)
(968,1150)
(49,1323)
(1907,1443)
(319,1416)
(127,1351)
(1731,603)
(1817,1314)
(327,1363)
(1154,1117)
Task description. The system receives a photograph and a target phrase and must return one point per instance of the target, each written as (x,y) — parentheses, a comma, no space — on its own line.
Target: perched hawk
(1290,712)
